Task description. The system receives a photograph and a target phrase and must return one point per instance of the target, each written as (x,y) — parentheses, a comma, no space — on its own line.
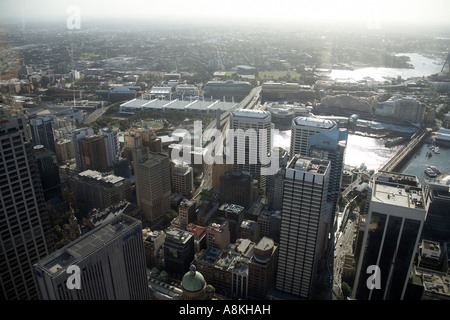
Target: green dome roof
(193,281)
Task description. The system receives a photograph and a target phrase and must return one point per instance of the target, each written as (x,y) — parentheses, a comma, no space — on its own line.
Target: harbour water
(423,66)
(372,152)
(360,149)
(419,161)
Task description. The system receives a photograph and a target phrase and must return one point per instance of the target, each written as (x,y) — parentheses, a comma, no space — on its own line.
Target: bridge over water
(404,152)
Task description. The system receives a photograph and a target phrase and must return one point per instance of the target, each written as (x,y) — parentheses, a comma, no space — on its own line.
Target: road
(96,114)
(343,245)
(248,102)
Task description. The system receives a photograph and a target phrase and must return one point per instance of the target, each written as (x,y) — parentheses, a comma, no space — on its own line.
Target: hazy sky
(373,13)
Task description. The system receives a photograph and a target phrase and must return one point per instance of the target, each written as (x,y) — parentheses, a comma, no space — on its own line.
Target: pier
(404,152)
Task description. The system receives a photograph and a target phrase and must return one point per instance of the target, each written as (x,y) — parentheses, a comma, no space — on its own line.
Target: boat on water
(434,169)
(436,149)
(429,154)
(430,173)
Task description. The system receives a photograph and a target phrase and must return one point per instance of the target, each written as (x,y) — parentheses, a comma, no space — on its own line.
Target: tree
(342,202)
(169,216)
(362,205)
(57,230)
(346,290)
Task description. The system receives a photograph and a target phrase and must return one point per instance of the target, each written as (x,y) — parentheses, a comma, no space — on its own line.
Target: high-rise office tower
(152,174)
(236,188)
(42,131)
(131,139)
(437,199)
(248,158)
(111,145)
(77,135)
(395,218)
(92,153)
(330,145)
(97,190)
(48,171)
(178,251)
(64,150)
(301,131)
(303,233)
(182,178)
(274,182)
(186,212)
(111,259)
(24,222)
(322,139)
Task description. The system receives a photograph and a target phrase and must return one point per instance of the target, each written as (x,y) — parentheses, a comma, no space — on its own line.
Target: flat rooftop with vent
(398,189)
(57,262)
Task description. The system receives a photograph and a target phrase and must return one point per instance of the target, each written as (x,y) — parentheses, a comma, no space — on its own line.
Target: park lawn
(153,124)
(278,75)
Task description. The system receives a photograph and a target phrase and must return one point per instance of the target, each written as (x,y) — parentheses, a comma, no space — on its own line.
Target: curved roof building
(194,285)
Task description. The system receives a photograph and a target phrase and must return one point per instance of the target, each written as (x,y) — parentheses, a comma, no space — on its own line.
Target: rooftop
(251,113)
(55,263)
(105,178)
(176,104)
(232,208)
(314,122)
(398,189)
(178,235)
(309,164)
(434,282)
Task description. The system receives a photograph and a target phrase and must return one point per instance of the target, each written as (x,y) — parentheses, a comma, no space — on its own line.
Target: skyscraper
(23,217)
(330,145)
(248,157)
(178,251)
(111,145)
(48,171)
(92,153)
(97,190)
(437,225)
(152,174)
(42,132)
(182,178)
(303,233)
(236,188)
(77,135)
(186,212)
(111,259)
(322,139)
(396,215)
(301,131)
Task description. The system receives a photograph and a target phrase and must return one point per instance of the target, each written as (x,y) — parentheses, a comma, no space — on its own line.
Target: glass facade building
(394,223)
